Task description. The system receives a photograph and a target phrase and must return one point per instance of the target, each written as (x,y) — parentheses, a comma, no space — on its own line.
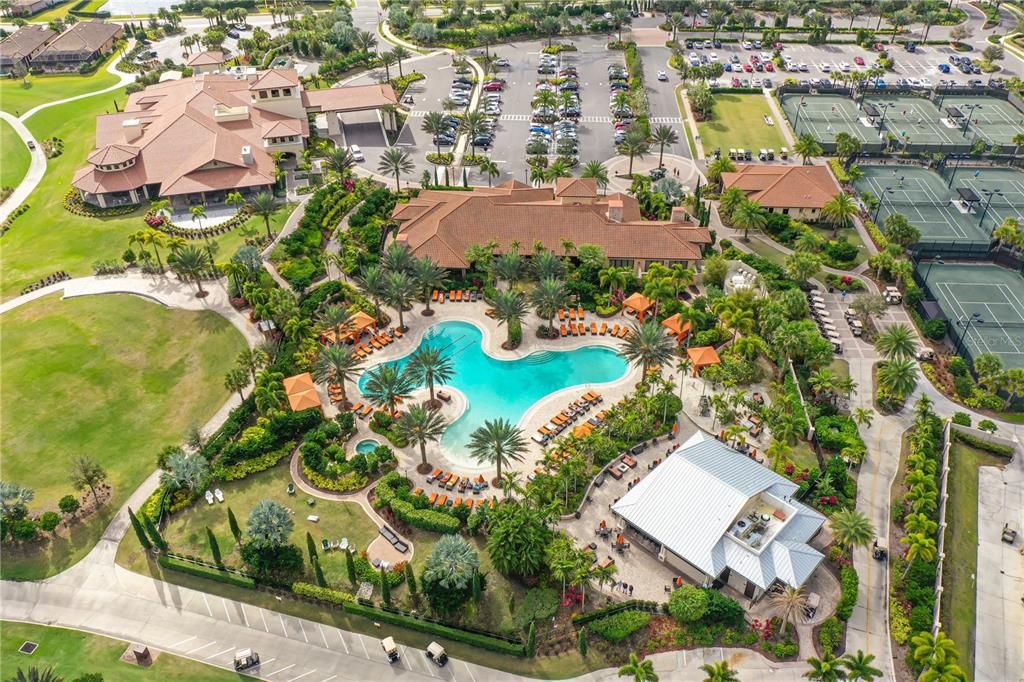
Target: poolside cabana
(677,327)
(301,392)
(583,430)
(702,356)
(353,329)
(638,304)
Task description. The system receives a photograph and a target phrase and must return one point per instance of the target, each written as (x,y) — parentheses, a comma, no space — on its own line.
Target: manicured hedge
(973,441)
(631,605)
(849,583)
(448,632)
(257,464)
(621,625)
(324,594)
(201,571)
(391,491)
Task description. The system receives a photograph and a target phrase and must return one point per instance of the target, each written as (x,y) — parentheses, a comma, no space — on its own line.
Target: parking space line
(342,638)
(328,679)
(303,630)
(208,609)
(299,677)
(241,606)
(219,653)
(362,641)
(281,670)
(473,678)
(265,626)
(200,648)
(187,639)
(324,635)
(283,628)
(225,604)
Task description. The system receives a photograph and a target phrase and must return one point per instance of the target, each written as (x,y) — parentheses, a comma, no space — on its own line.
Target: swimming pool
(507,388)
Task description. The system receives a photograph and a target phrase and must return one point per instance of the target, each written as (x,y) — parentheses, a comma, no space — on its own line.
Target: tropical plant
(86,472)
(192,263)
(898,377)
(851,528)
(634,145)
(489,167)
(335,365)
(919,546)
(749,215)
(719,671)
(497,442)
(429,366)
(647,345)
(395,161)
(269,525)
(597,171)
(839,211)
(639,670)
(896,342)
(928,649)
(184,471)
(264,205)
(509,267)
(789,604)
(858,666)
(614,278)
(509,309)
(547,297)
(807,148)
(661,136)
(828,668)
(421,425)
(386,386)
(400,292)
(428,276)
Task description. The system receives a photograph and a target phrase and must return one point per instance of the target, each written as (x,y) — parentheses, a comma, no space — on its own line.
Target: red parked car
(858,60)
(748,68)
(493,86)
(768,66)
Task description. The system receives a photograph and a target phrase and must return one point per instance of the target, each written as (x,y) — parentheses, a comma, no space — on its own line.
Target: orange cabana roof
(357,324)
(702,356)
(304,400)
(638,303)
(583,430)
(299,383)
(677,326)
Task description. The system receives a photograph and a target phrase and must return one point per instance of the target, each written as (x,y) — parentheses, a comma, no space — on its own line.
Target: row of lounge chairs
(449,480)
(363,411)
(376,342)
(574,411)
(582,329)
(442,500)
(342,544)
(570,314)
(456,296)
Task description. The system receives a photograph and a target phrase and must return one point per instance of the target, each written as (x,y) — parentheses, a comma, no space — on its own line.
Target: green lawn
(112,377)
(71,653)
(17,98)
(851,235)
(765,249)
(739,122)
(14,156)
(186,530)
(960,566)
(57,12)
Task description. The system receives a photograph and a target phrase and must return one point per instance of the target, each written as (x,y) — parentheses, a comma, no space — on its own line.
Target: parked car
(502,61)
(493,87)
(31,145)
(943,68)
(662,76)
(356,152)
(858,60)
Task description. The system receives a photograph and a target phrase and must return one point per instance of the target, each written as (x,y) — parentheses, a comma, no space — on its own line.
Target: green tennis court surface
(996,293)
(928,201)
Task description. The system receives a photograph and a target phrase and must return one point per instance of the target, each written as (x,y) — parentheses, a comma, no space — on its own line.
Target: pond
(365,447)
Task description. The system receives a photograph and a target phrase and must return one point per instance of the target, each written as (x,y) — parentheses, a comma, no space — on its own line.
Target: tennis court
(923,197)
(996,293)
(825,116)
(1008,202)
(995,121)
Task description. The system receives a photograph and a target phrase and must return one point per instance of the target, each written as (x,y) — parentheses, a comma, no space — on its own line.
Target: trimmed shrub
(830,636)
(621,625)
(849,583)
(324,594)
(209,572)
(688,604)
(540,603)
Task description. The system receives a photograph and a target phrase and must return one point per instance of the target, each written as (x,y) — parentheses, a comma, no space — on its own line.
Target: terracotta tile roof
(85,36)
(282,129)
(351,98)
(25,41)
(113,153)
(275,78)
(206,58)
(443,224)
(576,187)
(784,186)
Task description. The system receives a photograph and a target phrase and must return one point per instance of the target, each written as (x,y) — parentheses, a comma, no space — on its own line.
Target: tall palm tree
(661,136)
(807,148)
(789,604)
(546,265)
(896,342)
(435,123)
(547,297)
(489,167)
(340,161)
(155,238)
(421,425)
(597,171)
(559,168)
(472,124)
(428,276)
(946,671)
(336,364)
(639,670)
(828,668)
(264,205)
(852,529)
(429,366)
(497,442)
(387,60)
(400,53)
(839,211)
(919,546)
(730,200)
(333,318)
(509,306)
(401,292)
(719,671)
(395,161)
(386,386)
(863,416)
(634,146)
(372,281)
(191,264)
(719,166)
(509,267)
(614,278)
(198,213)
(748,216)
(898,377)
(858,666)
(647,346)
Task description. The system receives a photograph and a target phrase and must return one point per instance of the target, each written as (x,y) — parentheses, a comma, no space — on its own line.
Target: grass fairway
(959,600)
(17,98)
(113,377)
(186,530)
(14,156)
(72,653)
(48,238)
(739,122)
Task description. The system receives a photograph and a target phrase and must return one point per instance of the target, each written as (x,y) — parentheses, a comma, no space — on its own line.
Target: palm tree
(236,381)
(334,319)
(428,276)
(863,416)
(372,281)
(825,669)
(192,263)
(364,40)
(401,292)
(946,671)
(421,425)
(896,342)
(511,482)
(558,168)
(748,216)
(839,210)
(400,53)
(928,649)
(34,674)
(547,297)
(508,267)
(807,148)
(509,306)
(386,386)
(858,666)
(489,167)
(497,442)
(634,145)
(264,205)
(719,166)
(719,671)
(435,123)
(898,377)
(429,366)
(395,161)
(545,264)
(919,546)
(596,170)
(472,124)
(663,135)
(647,346)
(852,529)
(730,200)
(639,670)
(340,161)
(336,364)
(613,278)
(789,604)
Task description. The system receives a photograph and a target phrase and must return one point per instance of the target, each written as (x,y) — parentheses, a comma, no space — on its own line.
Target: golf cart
(390,648)
(246,658)
(1009,533)
(879,552)
(436,653)
(657,173)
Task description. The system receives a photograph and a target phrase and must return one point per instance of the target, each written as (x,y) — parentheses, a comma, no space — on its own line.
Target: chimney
(680,214)
(615,210)
(247,156)
(132,128)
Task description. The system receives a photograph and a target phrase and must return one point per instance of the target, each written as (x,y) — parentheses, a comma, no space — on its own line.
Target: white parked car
(926,83)
(747,45)
(825,68)
(357,153)
(662,76)
(714,57)
(844,66)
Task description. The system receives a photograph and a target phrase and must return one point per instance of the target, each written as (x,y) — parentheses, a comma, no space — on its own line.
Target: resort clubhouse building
(721,518)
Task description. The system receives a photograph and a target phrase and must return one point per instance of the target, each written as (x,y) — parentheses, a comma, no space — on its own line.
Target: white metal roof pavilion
(716,509)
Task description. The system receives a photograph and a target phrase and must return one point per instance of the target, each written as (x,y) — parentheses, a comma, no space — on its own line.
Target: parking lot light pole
(967,118)
(966,323)
(988,193)
(881,200)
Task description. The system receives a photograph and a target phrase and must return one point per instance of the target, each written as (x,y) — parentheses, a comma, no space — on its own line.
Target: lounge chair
(444,395)
(458,296)
(604,328)
(572,313)
(434,296)
(432,499)
(357,407)
(458,501)
(561,314)
(615,330)
(419,491)
(579,312)
(562,330)
(398,333)
(469,502)
(434,475)
(219,494)
(452,482)
(366,411)
(442,501)
(376,344)
(539,439)
(623,332)
(593,328)
(209,497)
(445,478)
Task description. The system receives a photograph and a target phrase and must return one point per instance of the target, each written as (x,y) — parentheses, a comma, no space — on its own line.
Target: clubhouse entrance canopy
(301,392)
(677,327)
(702,356)
(639,304)
(344,100)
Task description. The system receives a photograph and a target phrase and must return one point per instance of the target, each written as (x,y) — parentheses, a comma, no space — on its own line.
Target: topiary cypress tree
(531,641)
(154,533)
(385,588)
(214,547)
(350,567)
(583,641)
(233,525)
(320,579)
(410,578)
(139,531)
(476,587)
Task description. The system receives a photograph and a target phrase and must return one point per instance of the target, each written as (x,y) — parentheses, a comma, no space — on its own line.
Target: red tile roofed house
(796,191)
(22,45)
(80,44)
(443,225)
(26,8)
(207,61)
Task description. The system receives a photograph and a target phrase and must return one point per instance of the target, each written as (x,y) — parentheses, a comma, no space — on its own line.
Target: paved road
(661,96)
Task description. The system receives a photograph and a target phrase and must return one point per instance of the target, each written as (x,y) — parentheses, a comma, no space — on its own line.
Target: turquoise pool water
(365,447)
(507,388)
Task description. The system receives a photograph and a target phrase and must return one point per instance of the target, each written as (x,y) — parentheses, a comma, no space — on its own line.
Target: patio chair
(593,328)
(604,328)
(579,312)
(325,544)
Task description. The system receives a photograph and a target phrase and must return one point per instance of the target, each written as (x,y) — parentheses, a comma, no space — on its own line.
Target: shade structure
(639,304)
(702,356)
(583,430)
(352,330)
(304,400)
(677,327)
(299,383)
